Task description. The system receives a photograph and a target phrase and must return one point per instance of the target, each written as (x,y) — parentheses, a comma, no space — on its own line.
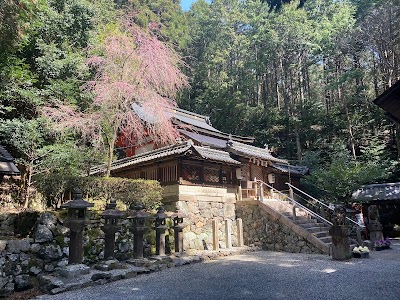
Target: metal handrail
(323,204)
(295,203)
(304,193)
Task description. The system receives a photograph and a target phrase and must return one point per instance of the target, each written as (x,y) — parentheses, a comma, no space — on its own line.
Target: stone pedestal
(160,240)
(76,240)
(178,237)
(340,242)
(109,239)
(138,234)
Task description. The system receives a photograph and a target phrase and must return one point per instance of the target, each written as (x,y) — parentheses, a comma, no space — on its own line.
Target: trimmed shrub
(128,191)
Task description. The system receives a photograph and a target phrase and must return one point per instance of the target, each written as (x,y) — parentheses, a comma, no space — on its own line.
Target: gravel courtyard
(262,275)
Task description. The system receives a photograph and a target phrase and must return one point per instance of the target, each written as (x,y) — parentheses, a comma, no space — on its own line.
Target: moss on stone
(60,241)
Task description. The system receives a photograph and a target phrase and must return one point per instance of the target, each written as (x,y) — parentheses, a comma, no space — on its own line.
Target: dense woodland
(300,76)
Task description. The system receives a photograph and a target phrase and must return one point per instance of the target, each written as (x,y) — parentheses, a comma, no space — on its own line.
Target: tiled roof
(251,151)
(177,149)
(193,119)
(215,155)
(204,139)
(377,192)
(144,157)
(186,119)
(7,166)
(290,169)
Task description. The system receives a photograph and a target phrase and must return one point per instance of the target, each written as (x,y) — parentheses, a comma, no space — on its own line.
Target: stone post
(239,225)
(215,234)
(340,242)
(228,233)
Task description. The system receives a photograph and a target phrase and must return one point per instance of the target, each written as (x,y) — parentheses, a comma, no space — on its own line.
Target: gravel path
(262,275)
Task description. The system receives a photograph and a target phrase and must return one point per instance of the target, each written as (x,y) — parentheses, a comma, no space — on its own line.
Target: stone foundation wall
(46,250)
(260,230)
(202,205)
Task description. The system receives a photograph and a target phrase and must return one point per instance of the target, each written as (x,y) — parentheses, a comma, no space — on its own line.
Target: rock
(71,271)
(3,282)
(48,282)
(57,290)
(48,219)
(62,263)
(101,275)
(2,262)
(12,268)
(49,268)
(13,257)
(7,289)
(35,270)
(35,248)
(123,246)
(22,282)
(110,265)
(43,234)
(189,236)
(51,252)
(65,251)
(199,224)
(3,245)
(17,246)
(60,230)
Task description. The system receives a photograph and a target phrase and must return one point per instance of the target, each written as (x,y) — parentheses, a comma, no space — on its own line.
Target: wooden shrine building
(201,174)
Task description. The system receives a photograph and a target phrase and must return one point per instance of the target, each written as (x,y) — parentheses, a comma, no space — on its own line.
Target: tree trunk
(110,155)
(298,144)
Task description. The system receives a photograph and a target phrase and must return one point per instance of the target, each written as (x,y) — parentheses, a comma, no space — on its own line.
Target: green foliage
(61,168)
(337,176)
(26,137)
(128,191)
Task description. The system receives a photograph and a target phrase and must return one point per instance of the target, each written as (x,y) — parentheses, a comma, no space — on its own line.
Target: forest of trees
(299,76)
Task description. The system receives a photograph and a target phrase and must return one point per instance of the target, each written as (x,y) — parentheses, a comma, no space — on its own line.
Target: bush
(128,191)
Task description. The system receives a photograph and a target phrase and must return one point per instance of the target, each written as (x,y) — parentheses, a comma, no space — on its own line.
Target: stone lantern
(177,218)
(111,226)
(138,219)
(76,223)
(160,226)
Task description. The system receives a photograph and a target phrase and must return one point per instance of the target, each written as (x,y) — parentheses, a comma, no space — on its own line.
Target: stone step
(320,234)
(317,229)
(326,239)
(301,221)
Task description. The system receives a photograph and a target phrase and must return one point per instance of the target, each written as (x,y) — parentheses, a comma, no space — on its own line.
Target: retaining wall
(263,230)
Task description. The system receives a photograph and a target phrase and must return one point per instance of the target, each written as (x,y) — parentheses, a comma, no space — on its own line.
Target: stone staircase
(313,226)
(310,227)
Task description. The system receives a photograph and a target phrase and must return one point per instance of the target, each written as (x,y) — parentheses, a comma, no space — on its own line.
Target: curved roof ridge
(252,151)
